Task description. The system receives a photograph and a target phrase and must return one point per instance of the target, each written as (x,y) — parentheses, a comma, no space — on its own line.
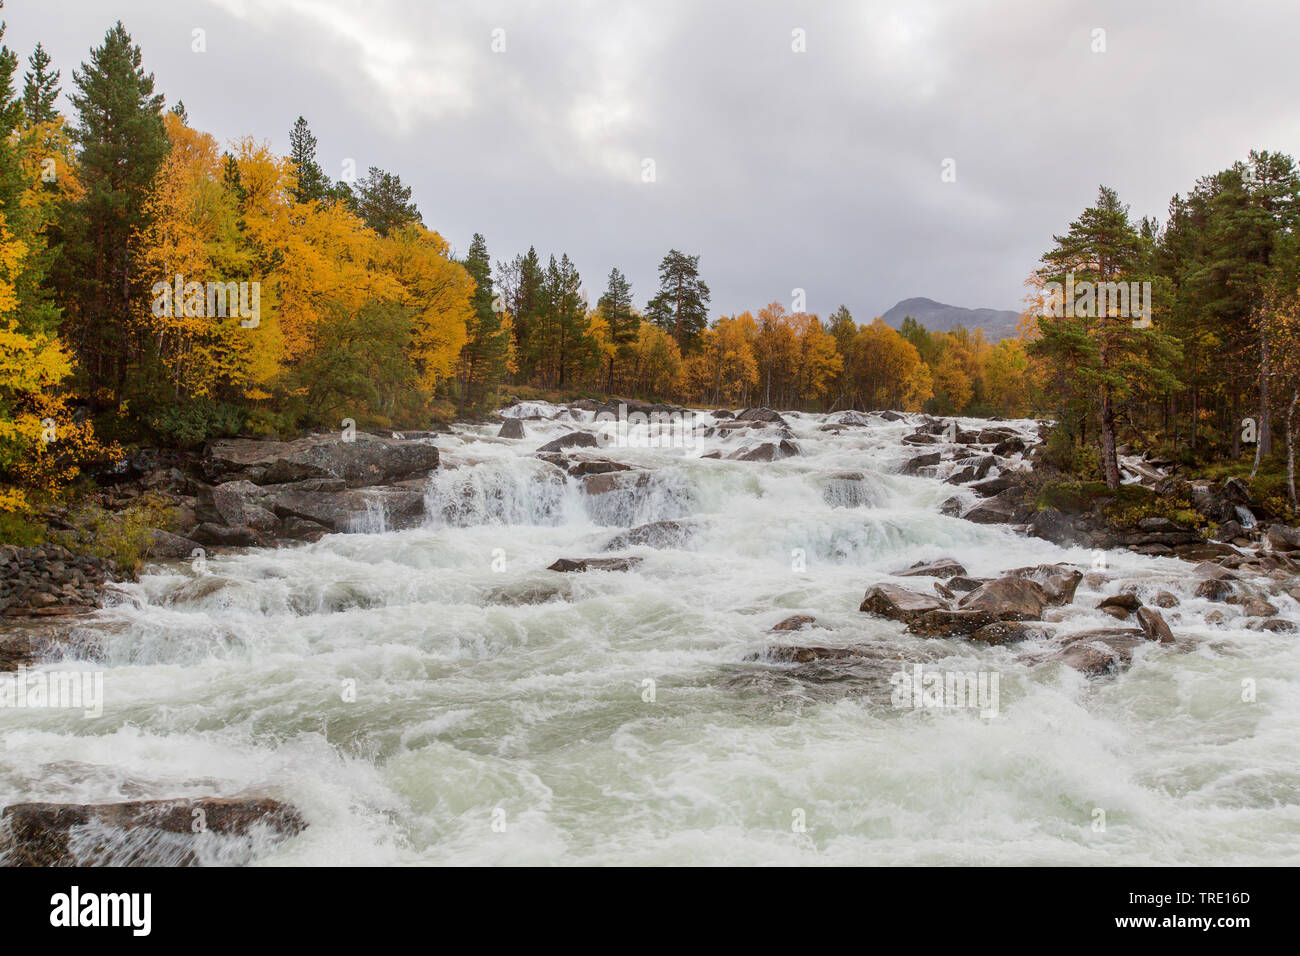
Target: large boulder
(399,506)
(363,459)
(949,623)
(1057,527)
(1005,508)
(571,440)
(144,833)
(1154,626)
(768,451)
(238,503)
(1008,599)
(761,414)
(1282,538)
(1058,581)
(512,428)
(898,603)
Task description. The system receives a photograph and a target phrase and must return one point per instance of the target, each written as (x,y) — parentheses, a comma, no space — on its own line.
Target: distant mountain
(937,317)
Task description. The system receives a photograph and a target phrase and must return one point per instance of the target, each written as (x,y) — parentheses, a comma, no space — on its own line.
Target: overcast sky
(781,169)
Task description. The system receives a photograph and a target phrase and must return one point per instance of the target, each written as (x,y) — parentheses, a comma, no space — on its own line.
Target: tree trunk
(1109,458)
(1290,445)
(1264,431)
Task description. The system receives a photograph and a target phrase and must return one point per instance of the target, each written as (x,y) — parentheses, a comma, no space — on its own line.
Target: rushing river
(437,696)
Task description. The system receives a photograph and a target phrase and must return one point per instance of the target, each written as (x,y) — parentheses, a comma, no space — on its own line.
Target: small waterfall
(1246,517)
(518,491)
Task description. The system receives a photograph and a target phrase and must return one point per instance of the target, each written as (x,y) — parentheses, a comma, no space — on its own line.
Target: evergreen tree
(121,144)
(384,203)
(486,354)
(615,306)
(682,305)
(1100,357)
(311,182)
(40,88)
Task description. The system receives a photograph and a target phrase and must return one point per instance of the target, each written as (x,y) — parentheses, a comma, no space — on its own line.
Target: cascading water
(436,695)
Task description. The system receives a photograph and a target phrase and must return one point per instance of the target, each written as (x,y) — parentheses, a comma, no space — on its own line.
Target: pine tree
(485,357)
(122,143)
(682,305)
(384,203)
(615,306)
(311,182)
(40,88)
(1100,355)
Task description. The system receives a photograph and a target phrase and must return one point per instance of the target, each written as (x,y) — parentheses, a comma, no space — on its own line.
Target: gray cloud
(818,170)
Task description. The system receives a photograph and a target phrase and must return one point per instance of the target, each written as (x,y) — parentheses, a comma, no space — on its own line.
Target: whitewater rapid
(437,696)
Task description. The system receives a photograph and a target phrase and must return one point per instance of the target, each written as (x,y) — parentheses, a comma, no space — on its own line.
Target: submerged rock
(1008,599)
(571,440)
(938,568)
(144,833)
(898,603)
(797,623)
(1154,626)
(595,564)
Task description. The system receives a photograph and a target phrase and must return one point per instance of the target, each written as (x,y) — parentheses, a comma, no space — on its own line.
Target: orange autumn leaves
(234,219)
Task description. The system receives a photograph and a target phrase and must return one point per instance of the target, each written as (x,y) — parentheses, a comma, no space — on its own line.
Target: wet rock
(614,481)
(1153,625)
(595,564)
(797,623)
(768,451)
(1215,589)
(1010,632)
(164,544)
(238,504)
(1118,613)
(760,415)
(1009,446)
(952,507)
(917,462)
(921,438)
(950,623)
(1057,527)
(1282,538)
(1252,605)
(1005,508)
(1166,599)
(211,534)
(1277,625)
(1100,652)
(1008,599)
(963,583)
(938,568)
(994,486)
(1215,617)
(571,440)
(657,534)
(898,603)
(1124,601)
(365,460)
(794,654)
(1059,582)
(512,428)
(401,506)
(145,833)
